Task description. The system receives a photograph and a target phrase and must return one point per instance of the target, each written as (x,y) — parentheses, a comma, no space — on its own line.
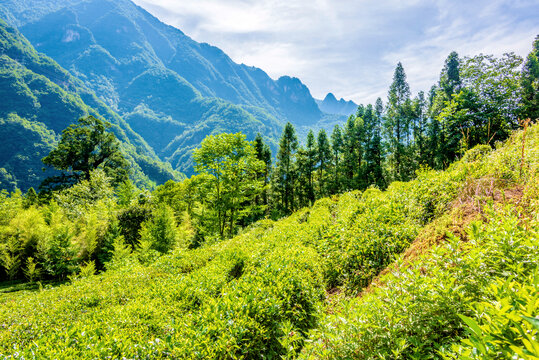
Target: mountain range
(162,91)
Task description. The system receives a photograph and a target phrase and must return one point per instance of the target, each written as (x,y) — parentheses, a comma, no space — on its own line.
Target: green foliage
(88,146)
(263,292)
(529,83)
(32,271)
(285,172)
(42,99)
(420,308)
(506,325)
(160,231)
(232,170)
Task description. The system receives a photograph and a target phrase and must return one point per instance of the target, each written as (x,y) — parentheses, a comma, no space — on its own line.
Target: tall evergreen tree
(529,82)
(420,129)
(337,145)
(434,132)
(311,165)
(324,160)
(350,154)
(372,142)
(360,144)
(396,122)
(263,153)
(376,148)
(450,81)
(285,172)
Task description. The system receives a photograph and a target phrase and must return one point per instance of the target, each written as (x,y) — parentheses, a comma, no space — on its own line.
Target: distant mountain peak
(330,97)
(331,105)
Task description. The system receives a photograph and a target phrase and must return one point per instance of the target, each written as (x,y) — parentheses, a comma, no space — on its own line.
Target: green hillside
(459,248)
(148,71)
(40,100)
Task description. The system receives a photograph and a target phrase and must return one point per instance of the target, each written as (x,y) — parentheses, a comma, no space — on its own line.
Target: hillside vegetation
(159,79)
(465,287)
(41,99)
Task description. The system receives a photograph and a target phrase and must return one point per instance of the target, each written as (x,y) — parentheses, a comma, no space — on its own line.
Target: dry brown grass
(467,207)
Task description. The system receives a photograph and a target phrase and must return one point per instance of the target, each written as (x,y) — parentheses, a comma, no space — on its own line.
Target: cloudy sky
(351,47)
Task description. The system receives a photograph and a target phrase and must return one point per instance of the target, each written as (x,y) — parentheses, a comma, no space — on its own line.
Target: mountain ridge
(171,90)
(331,105)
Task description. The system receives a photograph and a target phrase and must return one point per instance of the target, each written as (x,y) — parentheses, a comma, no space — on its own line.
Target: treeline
(477,100)
(92,217)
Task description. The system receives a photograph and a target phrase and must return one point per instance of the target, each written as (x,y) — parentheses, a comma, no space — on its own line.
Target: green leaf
(533,321)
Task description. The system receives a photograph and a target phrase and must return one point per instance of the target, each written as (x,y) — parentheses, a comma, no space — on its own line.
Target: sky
(351,47)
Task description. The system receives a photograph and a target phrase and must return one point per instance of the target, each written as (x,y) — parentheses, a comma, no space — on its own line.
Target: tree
(263,153)
(450,77)
(285,172)
(350,156)
(396,124)
(323,158)
(529,82)
(373,147)
(337,149)
(230,162)
(486,109)
(83,147)
(160,231)
(420,129)
(306,163)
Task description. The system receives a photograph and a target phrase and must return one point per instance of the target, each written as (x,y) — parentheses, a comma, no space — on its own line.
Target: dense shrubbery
(262,293)
(421,308)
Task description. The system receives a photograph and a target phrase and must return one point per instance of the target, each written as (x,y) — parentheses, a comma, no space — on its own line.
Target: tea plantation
(441,267)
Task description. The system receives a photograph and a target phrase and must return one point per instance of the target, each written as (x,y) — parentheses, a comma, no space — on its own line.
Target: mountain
(331,105)
(169,89)
(40,99)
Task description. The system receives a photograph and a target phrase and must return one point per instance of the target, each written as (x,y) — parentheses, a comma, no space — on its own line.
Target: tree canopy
(86,146)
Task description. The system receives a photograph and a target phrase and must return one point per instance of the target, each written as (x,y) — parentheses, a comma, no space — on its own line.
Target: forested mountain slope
(160,80)
(39,100)
(289,288)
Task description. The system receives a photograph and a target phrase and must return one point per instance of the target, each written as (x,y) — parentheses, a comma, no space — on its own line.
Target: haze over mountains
(331,105)
(151,79)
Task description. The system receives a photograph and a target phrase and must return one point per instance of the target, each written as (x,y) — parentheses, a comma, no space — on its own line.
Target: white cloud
(351,47)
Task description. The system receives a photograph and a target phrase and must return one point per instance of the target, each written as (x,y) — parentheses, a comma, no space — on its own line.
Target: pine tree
(370,123)
(450,81)
(420,129)
(311,165)
(529,82)
(285,172)
(263,153)
(337,145)
(396,124)
(324,160)
(350,160)
(434,132)
(376,144)
(360,145)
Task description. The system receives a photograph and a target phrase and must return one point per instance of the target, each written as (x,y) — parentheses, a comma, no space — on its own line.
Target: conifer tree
(337,149)
(285,172)
(350,154)
(372,142)
(376,145)
(263,153)
(324,159)
(529,82)
(450,81)
(396,122)
(311,165)
(420,129)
